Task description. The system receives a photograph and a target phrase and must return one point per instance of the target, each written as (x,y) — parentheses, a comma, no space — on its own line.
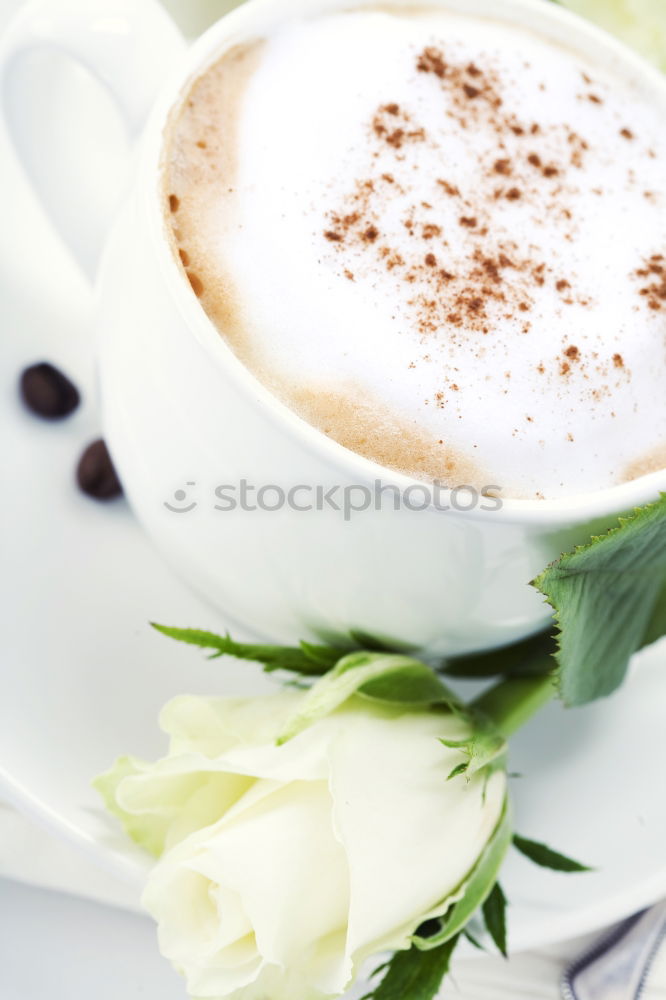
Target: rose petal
(186,793)
(212,726)
(410,835)
(190,932)
(283,860)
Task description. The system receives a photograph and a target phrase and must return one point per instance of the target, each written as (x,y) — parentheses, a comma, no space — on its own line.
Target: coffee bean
(47,392)
(95,473)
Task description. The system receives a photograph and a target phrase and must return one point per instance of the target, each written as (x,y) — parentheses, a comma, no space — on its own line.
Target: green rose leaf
(467,934)
(609,600)
(657,626)
(545,856)
(306,659)
(494,914)
(381,676)
(414,974)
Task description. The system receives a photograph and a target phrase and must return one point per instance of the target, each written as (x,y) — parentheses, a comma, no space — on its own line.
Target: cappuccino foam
(440,239)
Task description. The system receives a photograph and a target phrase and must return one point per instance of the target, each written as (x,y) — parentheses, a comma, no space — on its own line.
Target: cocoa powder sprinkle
(450,189)
(431,60)
(654,291)
(498,275)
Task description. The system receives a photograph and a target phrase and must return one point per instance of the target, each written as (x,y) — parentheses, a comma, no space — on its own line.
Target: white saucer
(83,676)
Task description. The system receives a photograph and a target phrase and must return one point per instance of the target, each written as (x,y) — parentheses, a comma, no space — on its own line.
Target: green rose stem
(512,703)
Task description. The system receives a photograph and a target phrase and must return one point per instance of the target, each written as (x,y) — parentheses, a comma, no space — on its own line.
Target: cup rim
(244,23)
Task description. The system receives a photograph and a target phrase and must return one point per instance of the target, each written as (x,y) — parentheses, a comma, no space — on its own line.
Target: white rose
(285,866)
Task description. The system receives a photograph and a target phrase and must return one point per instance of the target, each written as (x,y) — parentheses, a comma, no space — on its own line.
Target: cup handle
(128,46)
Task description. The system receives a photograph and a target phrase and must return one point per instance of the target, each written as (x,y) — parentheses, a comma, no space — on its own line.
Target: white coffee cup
(183,417)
